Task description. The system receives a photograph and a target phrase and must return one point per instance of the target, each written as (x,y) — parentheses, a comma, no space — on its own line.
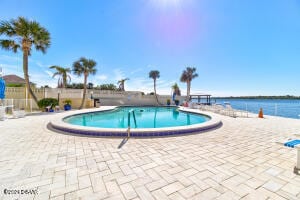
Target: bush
(67,102)
(43,103)
(15,85)
(108,87)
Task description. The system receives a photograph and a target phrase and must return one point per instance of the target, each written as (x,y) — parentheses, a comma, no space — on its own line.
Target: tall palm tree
(64,75)
(154,74)
(22,34)
(86,67)
(187,76)
(122,84)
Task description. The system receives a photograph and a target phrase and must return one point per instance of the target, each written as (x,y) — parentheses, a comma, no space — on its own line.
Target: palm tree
(176,89)
(187,76)
(122,84)
(154,74)
(86,67)
(64,75)
(22,34)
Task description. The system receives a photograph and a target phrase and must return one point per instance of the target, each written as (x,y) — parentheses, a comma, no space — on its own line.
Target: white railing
(280,107)
(276,109)
(20,104)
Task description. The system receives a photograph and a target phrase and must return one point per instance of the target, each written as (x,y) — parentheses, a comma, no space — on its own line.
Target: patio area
(239,160)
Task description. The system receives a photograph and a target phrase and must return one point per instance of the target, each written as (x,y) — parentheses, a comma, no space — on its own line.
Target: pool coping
(59,124)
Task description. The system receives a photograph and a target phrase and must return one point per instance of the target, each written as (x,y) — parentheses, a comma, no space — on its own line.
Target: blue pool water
(146,117)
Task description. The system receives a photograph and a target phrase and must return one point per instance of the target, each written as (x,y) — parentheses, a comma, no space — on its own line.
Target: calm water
(277,107)
(146,117)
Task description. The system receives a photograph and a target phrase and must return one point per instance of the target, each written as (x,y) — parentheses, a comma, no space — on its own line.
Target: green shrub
(43,103)
(67,102)
(15,85)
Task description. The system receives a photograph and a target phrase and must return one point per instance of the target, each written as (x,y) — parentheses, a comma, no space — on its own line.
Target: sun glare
(166,3)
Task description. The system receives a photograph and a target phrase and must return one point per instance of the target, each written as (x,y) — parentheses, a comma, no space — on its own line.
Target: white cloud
(38,63)
(137,70)
(152,67)
(5,58)
(76,79)
(49,73)
(163,87)
(118,74)
(8,68)
(101,77)
(96,80)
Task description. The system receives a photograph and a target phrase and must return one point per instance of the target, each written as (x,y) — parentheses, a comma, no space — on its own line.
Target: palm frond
(84,66)
(6,28)
(154,74)
(77,68)
(188,74)
(55,74)
(9,45)
(68,76)
(41,37)
(21,26)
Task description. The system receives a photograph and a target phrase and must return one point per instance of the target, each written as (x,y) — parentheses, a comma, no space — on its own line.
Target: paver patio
(239,160)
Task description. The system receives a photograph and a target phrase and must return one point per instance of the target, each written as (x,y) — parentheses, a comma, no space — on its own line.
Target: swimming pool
(112,121)
(138,117)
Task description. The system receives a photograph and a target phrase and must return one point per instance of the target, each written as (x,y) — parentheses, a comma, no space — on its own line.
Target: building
(14,81)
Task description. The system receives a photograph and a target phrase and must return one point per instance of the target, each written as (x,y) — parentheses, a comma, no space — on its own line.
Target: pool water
(146,117)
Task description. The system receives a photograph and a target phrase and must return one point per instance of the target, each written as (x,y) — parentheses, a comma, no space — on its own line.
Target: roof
(13,79)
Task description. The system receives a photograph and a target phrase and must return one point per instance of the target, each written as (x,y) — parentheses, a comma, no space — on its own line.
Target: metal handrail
(134,118)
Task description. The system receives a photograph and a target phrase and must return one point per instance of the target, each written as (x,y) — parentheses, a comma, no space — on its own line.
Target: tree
(64,75)
(187,76)
(22,34)
(109,86)
(90,85)
(154,74)
(75,86)
(84,67)
(176,89)
(122,84)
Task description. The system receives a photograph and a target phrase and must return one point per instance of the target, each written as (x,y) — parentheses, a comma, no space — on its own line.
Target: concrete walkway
(239,160)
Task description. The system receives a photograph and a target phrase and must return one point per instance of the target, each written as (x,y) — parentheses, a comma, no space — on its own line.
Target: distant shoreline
(260,97)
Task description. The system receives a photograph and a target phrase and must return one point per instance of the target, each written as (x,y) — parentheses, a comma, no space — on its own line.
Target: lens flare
(172,23)
(166,3)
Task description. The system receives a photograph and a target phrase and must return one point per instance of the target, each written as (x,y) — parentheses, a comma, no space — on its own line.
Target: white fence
(18,97)
(20,104)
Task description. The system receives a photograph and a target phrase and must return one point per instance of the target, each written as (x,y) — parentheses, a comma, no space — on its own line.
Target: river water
(289,108)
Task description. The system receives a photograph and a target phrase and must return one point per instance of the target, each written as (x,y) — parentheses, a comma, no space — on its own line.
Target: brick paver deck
(239,160)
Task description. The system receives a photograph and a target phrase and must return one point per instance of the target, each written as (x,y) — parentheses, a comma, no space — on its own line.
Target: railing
(20,104)
(134,118)
(278,107)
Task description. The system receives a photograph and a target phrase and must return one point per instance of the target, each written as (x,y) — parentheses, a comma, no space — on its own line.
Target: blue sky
(249,47)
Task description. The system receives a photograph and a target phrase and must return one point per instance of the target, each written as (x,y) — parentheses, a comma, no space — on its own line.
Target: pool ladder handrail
(134,118)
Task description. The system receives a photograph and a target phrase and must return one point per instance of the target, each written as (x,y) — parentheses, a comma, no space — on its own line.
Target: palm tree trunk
(64,81)
(188,90)
(26,76)
(155,92)
(84,91)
